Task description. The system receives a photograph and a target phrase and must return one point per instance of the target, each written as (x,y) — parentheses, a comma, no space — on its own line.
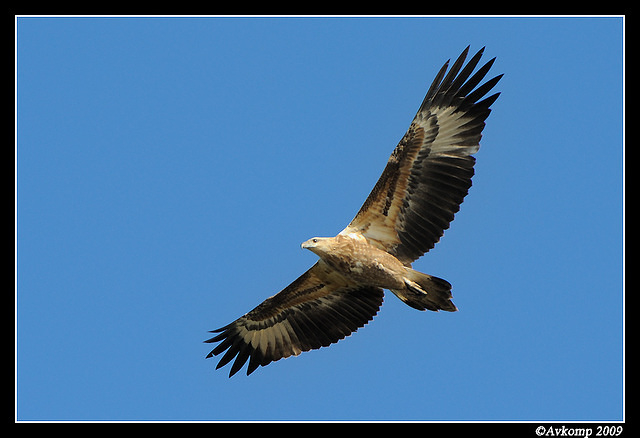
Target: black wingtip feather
(473,97)
(434,86)
(455,68)
(456,84)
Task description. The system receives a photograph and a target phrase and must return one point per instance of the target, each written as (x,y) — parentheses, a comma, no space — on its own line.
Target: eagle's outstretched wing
(319,308)
(429,173)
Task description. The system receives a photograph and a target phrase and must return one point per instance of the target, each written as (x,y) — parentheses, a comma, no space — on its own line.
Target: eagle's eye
(314,240)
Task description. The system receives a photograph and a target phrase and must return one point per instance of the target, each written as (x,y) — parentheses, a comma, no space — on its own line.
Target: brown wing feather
(429,172)
(316,310)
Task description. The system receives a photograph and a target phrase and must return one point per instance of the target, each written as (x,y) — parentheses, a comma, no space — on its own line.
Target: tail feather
(425,291)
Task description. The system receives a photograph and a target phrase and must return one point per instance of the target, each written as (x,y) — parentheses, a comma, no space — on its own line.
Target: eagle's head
(318,245)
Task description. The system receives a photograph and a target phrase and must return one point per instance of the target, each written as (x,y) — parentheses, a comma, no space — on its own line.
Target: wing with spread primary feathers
(319,308)
(429,173)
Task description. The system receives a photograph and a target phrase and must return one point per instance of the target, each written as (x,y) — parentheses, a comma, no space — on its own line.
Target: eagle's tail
(423,291)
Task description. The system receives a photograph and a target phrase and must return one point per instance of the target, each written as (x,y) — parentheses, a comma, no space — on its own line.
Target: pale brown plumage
(421,188)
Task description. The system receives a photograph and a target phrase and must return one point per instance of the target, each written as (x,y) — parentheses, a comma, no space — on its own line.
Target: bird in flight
(421,188)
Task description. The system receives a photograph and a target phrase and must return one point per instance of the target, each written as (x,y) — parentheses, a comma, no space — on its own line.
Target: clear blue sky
(168,170)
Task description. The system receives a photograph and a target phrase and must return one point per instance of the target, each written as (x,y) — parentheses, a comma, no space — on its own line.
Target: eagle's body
(357,260)
(360,262)
(421,188)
